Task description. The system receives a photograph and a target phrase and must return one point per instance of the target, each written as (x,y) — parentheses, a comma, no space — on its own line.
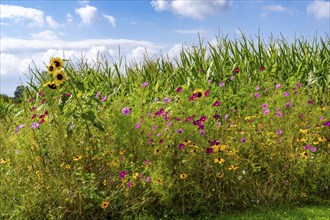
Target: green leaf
(90,116)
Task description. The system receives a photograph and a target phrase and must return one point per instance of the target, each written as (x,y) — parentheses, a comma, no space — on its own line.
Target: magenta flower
(277,86)
(310,102)
(222,84)
(264,106)
(203,118)
(129,184)
(144,84)
(216,116)
(31,100)
(103,98)
(179,89)
(257,95)
(181,146)
(97,95)
(209,150)
(243,140)
(201,126)
(19,127)
(307,147)
(299,85)
(41,121)
(261,68)
(154,127)
(137,126)
(313,149)
(266,111)
(33,116)
(42,116)
(46,112)
(207,92)
(180,130)
(257,88)
(226,116)
(326,124)
(122,174)
(148,179)
(279,132)
(286,94)
(279,114)
(232,78)
(236,70)
(217,103)
(146,162)
(67,94)
(288,104)
(33,108)
(126,111)
(202,132)
(43,101)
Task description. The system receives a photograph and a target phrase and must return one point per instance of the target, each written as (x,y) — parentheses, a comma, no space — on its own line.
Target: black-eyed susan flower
(304,155)
(76,158)
(52,85)
(60,76)
(158,181)
(4,161)
(233,167)
(67,167)
(183,176)
(104,204)
(220,175)
(156,151)
(219,160)
(56,62)
(199,94)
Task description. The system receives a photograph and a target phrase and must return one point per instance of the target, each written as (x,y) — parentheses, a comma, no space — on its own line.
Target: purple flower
(310,102)
(154,127)
(126,110)
(279,132)
(67,94)
(222,84)
(97,95)
(43,101)
(34,125)
(207,92)
(232,77)
(129,184)
(257,95)
(202,132)
(277,86)
(257,88)
(261,68)
(137,126)
(180,130)
(216,116)
(167,100)
(288,104)
(286,94)
(103,98)
(279,114)
(148,179)
(217,103)
(181,146)
(19,127)
(203,118)
(313,149)
(236,70)
(243,140)
(209,150)
(226,116)
(201,126)
(179,89)
(264,106)
(146,162)
(122,174)
(307,147)
(33,116)
(299,85)
(144,84)
(326,124)
(266,111)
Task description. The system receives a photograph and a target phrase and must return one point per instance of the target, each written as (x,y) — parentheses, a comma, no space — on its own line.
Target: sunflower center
(59,76)
(52,86)
(57,64)
(50,68)
(199,94)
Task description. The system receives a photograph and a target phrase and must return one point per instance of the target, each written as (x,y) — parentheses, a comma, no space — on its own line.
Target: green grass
(224,128)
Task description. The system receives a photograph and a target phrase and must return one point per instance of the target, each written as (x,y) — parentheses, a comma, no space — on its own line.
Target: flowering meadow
(223,127)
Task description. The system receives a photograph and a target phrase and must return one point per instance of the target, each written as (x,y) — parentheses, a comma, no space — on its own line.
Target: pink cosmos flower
(266,111)
(166,100)
(257,88)
(103,98)
(144,84)
(217,103)
(257,95)
(264,106)
(277,86)
(222,84)
(286,94)
(179,89)
(126,111)
(279,132)
(236,70)
(180,130)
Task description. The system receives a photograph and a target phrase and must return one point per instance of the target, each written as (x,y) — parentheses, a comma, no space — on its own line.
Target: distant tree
(19,92)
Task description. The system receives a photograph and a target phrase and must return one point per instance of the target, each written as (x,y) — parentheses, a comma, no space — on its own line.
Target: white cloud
(320,9)
(274,8)
(111,19)
(87,13)
(52,23)
(69,18)
(196,9)
(45,35)
(191,31)
(19,13)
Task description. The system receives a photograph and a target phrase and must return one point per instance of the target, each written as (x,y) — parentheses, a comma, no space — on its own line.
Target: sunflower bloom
(104,204)
(51,69)
(52,85)
(56,62)
(183,176)
(60,76)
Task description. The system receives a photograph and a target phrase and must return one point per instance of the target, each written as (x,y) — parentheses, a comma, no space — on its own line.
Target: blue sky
(34,31)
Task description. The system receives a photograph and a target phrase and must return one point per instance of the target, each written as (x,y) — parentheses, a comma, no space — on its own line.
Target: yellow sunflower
(199,93)
(56,62)
(51,69)
(104,205)
(60,76)
(52,85)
